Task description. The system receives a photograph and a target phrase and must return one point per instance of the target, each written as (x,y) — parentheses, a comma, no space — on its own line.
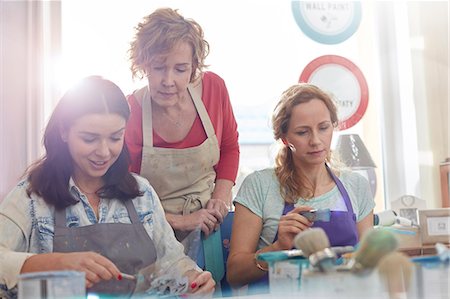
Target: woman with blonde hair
(269,202)
(182,133)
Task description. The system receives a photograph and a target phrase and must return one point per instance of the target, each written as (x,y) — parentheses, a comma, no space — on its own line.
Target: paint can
(52,285)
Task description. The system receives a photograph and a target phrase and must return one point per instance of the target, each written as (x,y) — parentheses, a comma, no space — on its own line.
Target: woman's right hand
(95,266)
(290,225)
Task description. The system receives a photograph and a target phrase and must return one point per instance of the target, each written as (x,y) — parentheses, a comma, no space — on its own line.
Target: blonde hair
(158,33)
(293,183)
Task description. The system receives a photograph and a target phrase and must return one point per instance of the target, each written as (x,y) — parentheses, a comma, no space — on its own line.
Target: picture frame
(435,226)
(409,213)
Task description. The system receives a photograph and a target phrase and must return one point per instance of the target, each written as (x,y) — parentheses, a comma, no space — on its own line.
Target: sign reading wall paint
(327,22)
(344,81)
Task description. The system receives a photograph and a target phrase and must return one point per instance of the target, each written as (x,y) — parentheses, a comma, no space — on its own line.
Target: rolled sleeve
(15,230)
(12,263)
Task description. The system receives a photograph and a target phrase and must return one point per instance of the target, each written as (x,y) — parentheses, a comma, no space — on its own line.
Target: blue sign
(327,22)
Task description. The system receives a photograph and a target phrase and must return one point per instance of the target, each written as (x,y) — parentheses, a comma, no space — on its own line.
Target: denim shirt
(27,228)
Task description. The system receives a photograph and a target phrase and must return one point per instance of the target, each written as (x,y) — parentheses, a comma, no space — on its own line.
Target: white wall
(29,37)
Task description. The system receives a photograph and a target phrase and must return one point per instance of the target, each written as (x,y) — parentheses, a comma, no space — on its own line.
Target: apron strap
(60,218)
(189,201)
(60,214)
(196,94)
(132,213)
(342,189)
(147,128)
(195,91)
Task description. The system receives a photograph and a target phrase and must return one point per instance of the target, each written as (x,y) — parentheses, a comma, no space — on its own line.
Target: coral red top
(217,103)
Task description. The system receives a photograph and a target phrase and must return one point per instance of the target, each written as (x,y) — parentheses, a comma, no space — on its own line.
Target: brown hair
(161,31)
(49,176)
(293,184)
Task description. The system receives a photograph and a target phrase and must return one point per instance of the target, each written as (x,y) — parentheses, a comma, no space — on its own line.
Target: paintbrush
(311,240)
(375,244)
(315,245)
(271,256)
(128,276)
(317,215)
(395,270)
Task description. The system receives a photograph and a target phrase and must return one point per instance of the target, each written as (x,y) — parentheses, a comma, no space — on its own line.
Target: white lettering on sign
(327,6)
(345,103)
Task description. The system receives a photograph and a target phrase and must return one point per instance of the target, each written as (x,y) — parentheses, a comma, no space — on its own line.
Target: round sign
(327,22)
(344,81)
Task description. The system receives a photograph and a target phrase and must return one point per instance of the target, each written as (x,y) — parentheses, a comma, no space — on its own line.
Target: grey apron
(127,245)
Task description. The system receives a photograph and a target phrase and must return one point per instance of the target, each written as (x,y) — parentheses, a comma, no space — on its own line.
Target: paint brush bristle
(311,241)
(375,244)
(396,270)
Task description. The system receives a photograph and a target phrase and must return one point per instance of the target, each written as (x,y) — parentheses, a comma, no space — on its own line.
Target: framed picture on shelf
(409,213)
(435,226)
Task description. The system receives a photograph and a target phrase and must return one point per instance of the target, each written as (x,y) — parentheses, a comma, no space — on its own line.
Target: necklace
(84,191)
(176,122)
(87,193)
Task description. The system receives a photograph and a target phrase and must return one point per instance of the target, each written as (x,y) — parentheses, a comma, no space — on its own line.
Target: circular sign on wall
(327,22)
(344,81)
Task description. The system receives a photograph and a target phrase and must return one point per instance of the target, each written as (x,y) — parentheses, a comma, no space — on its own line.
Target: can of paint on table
(52,285)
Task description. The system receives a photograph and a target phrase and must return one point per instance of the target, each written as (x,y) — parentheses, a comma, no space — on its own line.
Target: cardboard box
(408,237)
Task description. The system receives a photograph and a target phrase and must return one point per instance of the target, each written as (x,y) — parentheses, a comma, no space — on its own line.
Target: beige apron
(183,178)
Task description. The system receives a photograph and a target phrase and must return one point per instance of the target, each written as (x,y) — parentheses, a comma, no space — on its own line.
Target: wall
(13,92)
(401,47)
(431,92)
(29,36)
(413,60)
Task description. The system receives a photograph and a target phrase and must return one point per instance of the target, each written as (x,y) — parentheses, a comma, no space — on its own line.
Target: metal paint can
(52,285)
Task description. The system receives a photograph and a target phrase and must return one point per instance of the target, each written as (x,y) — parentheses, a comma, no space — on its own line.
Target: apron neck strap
(147,128)
(195,91)
(60,218)
(132,213)
(196,94)
(341,188)
(60,214)
(289,206)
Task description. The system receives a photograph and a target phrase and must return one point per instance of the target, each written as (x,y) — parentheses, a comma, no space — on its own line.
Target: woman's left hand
(219,206)
(201,284)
